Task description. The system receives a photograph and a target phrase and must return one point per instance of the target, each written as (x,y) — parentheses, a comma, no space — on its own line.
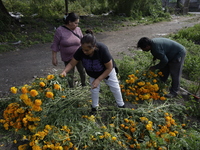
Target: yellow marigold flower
(172,133)
(36,108)
(146,96)
(154,80)
(15,141)
(114,138)
(42,84)
(6,125)
(49,95)
(38,102)
(126,120)
(112,125)
(33,93)
(49,77)
(20,110)
(101,136)
(57,86)
(141,83)
(2,121)
(36,147)
(144,119)
(103,127)
(22,147)
(13,90)
(28,102)
(24,90)
(149,127)
(24,97)
(106,134)
(176,132)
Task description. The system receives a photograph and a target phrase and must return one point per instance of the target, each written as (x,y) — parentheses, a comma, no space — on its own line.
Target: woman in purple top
(67,41)
(99,65)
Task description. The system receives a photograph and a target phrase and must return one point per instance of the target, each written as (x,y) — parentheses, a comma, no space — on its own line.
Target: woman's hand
(63,74)
(95,83)
(54,58)
(54,62)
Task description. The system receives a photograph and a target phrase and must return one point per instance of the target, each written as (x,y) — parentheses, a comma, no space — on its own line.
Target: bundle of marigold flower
(144,86)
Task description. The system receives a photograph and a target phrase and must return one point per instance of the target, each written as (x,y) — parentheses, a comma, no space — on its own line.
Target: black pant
(174,69)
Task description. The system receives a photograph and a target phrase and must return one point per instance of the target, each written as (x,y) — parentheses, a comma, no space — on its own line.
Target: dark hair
(70,17)
(89,38)
(144,42)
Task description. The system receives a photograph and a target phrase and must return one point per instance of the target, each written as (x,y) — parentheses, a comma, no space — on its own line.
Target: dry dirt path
(20,67)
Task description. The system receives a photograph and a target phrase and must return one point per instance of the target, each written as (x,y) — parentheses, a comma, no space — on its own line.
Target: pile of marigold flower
(144,86)
(46,116)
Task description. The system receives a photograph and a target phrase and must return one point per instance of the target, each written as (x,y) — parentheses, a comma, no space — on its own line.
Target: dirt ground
(21,66)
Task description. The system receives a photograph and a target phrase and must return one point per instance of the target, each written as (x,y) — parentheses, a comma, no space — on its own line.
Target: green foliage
(192,107)
(138,9)
(191,34)
(134,63)
(191,67)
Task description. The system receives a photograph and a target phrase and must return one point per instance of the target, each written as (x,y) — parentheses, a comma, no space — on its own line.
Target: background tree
(3,10)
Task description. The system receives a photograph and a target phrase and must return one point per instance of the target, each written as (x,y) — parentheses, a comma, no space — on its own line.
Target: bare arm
(69,66)
(54,58)
(109,67)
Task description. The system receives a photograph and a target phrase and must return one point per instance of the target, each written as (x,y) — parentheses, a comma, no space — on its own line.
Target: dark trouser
(174,69)
(81,71)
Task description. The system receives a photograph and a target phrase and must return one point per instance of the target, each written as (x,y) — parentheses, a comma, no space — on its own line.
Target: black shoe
(93,111)
(170,95)
(121,106)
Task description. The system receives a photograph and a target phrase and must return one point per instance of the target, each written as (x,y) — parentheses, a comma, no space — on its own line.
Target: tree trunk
(66,6)
(3,9)
(186,7)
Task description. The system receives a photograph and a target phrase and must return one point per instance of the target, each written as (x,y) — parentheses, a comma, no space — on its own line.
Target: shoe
(170,95)
(93,111)
(121,106)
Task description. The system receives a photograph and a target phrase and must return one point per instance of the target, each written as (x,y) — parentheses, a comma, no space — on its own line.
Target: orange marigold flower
(183,125)
(38,102)
(154,80)
(56,86)
(24,90)
(49,95)
(13,90)
(162,98)
(49,77)
(42,84)
(33,93)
